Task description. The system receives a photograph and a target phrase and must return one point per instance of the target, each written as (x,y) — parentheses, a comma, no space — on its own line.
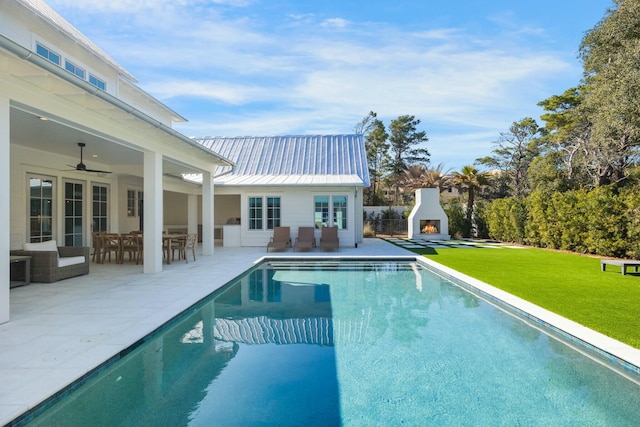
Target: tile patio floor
(60,331)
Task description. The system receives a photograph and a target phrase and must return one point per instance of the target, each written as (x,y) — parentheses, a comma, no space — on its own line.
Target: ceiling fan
(81,166)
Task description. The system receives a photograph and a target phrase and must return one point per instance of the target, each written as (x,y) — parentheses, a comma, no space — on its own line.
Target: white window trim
(330,222)
(265,219)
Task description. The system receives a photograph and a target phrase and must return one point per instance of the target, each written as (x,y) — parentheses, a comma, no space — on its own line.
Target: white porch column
(207,213)
(192,213)
(5,242)
(357,215)
(153,205)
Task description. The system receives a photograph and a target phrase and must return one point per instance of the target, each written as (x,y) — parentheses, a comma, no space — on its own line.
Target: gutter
(28,55)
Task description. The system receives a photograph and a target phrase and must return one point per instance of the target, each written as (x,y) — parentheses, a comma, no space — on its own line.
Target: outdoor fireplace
(429,226)
(428,220)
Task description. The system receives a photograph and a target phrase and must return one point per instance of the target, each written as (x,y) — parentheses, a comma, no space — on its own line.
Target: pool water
(352,344)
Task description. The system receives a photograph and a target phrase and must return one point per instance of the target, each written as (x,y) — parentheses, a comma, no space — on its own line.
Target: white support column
(192,213)
(5,241)
(114,205)
(207,214)
(153,208)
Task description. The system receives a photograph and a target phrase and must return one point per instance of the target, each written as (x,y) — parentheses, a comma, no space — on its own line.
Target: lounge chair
(329,238)
(306,238)
(281,238)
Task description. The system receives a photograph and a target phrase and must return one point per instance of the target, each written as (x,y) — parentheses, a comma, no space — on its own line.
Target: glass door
(41,191)
(73,214)
(100,209)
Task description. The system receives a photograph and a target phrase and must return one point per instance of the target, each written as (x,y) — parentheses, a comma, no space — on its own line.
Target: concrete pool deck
(58,332)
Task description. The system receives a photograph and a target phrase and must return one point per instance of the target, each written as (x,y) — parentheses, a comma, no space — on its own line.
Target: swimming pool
(347,343)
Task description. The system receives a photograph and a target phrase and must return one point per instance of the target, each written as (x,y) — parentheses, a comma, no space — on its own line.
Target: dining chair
(96,243)
(111,242)
(190,244)
(178,243)
(131,245)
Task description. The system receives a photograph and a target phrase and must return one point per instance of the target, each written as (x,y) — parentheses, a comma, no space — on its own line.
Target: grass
(570,285)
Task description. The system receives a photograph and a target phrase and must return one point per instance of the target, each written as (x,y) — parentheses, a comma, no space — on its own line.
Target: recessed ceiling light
(44,118)
(94,155)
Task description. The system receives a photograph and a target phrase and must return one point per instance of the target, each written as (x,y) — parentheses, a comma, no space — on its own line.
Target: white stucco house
(58,90)
(294,181)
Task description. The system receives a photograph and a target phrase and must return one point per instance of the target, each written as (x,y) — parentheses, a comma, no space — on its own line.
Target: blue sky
(466,69)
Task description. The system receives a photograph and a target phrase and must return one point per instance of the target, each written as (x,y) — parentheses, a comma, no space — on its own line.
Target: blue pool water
(352,344)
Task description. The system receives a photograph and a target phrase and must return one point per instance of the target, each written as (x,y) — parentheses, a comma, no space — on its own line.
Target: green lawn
(570,285)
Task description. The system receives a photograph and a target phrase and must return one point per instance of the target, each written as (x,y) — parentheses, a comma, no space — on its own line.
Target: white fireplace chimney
(427,219)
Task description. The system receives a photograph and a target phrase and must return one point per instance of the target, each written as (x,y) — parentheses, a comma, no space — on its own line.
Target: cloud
(335,23)
(239,73)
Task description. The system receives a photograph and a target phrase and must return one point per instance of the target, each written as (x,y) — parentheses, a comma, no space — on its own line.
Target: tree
(514,152)
(420,176)
(469,179)
(609,52)
(568,138)
(378,158)
(404,138)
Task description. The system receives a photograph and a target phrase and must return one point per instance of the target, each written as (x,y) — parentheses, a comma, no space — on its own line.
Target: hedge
(604,221)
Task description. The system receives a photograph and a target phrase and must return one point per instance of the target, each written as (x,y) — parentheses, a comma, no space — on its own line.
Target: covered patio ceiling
(50,134)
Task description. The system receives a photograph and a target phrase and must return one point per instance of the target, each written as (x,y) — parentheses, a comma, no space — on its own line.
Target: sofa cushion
(70,260)
(48,246)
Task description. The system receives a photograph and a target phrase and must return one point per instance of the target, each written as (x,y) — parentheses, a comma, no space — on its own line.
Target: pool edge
(622,357)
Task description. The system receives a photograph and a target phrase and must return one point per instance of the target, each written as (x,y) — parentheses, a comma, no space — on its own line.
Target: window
(74,69)
(100,84)
(100,208)
(47,54)
(340,212)
(321,211)
(264,210)
(330,211)
(131,203)
(73,201)
(273,212)
(255,213)
(40,209)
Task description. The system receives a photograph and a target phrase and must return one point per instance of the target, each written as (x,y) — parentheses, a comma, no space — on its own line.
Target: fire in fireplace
(429,226)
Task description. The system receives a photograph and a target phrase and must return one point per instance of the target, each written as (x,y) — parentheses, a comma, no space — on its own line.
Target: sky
(467,69)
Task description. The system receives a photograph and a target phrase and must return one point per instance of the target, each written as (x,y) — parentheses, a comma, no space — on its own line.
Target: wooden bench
(623,264)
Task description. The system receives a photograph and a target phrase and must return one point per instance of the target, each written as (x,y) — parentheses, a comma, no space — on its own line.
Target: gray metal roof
(292,160)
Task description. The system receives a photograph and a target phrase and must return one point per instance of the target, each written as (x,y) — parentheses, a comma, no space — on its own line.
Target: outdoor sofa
(50,263)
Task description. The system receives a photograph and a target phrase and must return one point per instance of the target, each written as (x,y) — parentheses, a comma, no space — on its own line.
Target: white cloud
(335,23)
(239,74)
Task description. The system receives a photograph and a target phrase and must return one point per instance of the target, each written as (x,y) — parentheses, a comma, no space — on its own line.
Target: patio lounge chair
(306,238)
(281,238)
(329,238)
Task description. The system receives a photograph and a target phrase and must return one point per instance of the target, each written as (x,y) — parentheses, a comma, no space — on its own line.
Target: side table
(16,259)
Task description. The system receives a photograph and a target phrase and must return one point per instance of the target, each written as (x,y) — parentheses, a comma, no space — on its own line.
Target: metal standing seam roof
(292,159)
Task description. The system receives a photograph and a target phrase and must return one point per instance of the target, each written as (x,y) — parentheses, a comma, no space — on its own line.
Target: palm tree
(469,179)
(419,176)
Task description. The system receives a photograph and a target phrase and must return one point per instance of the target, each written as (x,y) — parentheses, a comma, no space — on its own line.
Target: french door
(73,213)
(41,208)
(100,207)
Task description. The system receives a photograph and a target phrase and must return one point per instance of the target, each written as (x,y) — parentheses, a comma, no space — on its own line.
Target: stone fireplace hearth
(427,219)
